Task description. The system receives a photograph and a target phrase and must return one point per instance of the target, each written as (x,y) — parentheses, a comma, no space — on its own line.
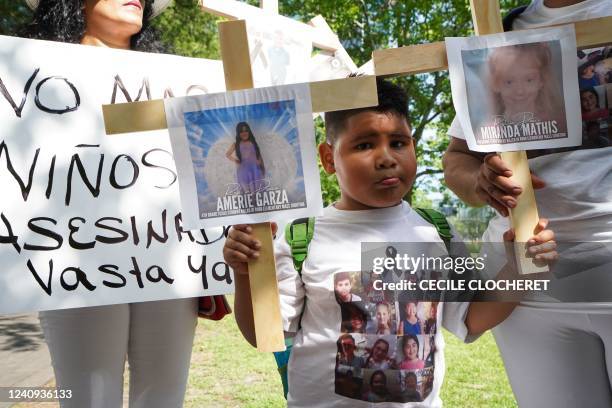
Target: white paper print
(280,54)
(88,219)
(245,156)
(331,65)
(517,90)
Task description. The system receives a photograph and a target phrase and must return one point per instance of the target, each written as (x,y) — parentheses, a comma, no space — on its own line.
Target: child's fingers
(244,238)
(547,258)
(546,247)
(509,235)
(542,224)
(233,257)
(238,246)
(243,227)
(274,227)
(542,235)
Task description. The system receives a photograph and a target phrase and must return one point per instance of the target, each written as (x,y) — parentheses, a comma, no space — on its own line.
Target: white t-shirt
(320,375)
(578,196)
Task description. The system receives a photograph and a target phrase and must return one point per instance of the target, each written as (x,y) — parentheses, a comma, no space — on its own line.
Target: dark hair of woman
(239,128)
(64,21)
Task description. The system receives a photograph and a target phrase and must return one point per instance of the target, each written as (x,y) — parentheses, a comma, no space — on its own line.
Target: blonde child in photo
(372,153)
(384,325)
(523,87)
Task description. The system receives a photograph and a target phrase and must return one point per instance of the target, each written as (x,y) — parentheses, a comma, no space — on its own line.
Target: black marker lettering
(95,191)
(136,272)
(226,273)
(25,189)
(147,163)
(45,232)
(200,269)
(73,230)
(135,172)
(10,238)
(77,98)
(50,180)
(122,235)
(152,234)
(160,275)
(112,270)
(9,98)
(47,288)
(119,84)
(80,278)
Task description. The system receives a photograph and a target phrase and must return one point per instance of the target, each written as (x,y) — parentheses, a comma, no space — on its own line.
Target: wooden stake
(262,272)
(417,59)
(524,218)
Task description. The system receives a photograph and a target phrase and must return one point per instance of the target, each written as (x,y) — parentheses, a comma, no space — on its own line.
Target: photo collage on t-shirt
(386,346)
(595,83)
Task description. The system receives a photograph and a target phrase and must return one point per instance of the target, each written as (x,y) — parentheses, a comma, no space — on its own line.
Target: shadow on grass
(19,335)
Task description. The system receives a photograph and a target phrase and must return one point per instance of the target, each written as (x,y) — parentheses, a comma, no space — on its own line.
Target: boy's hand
(542,246)
(241,247)
(494,186)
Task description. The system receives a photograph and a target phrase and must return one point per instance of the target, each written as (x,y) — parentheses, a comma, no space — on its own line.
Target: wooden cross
(417,59)
(237,10)
(323,37)
(326,96)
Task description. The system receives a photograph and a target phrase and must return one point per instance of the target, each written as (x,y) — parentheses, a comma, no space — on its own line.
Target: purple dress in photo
(249,172)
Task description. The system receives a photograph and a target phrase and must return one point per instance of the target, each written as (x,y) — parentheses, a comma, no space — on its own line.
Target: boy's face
(374,160)
(343,288)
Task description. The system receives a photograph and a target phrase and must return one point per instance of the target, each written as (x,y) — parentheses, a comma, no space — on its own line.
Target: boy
(575,192)
(372,153)
(342,287)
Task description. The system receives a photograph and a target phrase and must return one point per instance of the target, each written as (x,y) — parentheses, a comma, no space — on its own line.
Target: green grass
(227,372)
(475,375)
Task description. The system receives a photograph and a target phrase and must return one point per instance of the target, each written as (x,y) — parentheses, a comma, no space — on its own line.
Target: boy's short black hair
(391,99)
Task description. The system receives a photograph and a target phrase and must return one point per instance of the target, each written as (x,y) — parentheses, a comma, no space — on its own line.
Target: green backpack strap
(438,220)
(298,235)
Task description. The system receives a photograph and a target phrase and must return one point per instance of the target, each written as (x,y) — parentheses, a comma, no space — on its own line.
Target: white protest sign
(245,156)
(89,219)
(280,52)
(517,90)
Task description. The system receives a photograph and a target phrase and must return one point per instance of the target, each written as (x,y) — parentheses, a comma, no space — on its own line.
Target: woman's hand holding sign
(495,187)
